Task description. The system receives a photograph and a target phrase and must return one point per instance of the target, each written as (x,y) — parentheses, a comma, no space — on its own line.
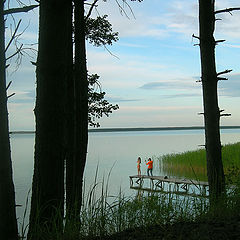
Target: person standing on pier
(139,166)
(150,166)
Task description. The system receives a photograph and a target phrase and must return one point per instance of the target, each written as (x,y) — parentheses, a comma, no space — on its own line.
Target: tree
(210,100)
(8,222)
(97,105)
(86,104)
(61,113)
(54,68)
(76,163)
(212,113)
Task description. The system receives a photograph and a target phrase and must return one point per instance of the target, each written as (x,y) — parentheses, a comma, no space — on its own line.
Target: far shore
(136,129)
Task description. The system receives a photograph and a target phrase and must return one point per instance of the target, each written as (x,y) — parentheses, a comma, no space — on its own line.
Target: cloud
(231,45)
(230,88)
(156,108)
(132,45)
(22,97)
(181,84)
(115,99)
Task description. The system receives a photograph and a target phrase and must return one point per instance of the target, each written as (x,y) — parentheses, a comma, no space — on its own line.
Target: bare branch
(8,85)
(122,10)
(226,115)
(219,41)
(229,10)
(224,72)
(18,51)
(194,36)
(20,10)
(221,78)
(110,52)
(91,8)
(13,36)
(11,95)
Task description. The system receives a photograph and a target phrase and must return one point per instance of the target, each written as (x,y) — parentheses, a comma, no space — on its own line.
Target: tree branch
(229,10)
(8,85)
(91,8)
(221,78)
(194,36)
(13,36)
(224,72)
(19,10)
(219,41)
(226,115)
(18,51)
(11,95)
(122,10)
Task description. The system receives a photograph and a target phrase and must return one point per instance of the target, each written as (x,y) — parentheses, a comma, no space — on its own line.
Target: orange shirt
(150,164)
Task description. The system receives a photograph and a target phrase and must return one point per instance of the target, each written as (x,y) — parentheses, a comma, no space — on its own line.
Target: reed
(192,164)
(103,214)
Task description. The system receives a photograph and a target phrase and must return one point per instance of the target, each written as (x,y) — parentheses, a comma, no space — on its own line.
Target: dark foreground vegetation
(154,215)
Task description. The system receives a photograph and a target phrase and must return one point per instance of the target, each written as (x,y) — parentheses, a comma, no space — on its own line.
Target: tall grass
(109,215)
(192,164)
(103,214)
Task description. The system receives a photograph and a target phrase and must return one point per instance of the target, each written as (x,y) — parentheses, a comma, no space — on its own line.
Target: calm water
(116,150)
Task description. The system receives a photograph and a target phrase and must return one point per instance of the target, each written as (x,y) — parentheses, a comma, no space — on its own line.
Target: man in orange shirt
(150,166)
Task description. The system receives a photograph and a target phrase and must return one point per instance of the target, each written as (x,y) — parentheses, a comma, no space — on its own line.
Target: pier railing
(169,185)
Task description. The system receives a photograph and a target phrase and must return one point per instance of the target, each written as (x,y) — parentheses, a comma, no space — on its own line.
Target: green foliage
(103,214)
(99,31)
(192,164)
(97,105)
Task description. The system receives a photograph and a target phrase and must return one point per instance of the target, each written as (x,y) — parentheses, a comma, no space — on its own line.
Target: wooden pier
(174,185)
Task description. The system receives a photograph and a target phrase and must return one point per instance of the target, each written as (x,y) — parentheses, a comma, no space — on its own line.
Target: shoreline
(137,129)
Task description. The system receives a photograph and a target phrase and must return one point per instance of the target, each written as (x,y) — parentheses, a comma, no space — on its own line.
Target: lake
(114,152)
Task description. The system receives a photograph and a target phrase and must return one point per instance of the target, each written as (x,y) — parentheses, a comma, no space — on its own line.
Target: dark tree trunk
(76,167)
(210,100)
(54,67)
(8,222)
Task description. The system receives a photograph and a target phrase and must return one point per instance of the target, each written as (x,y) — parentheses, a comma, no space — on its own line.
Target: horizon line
(128,129)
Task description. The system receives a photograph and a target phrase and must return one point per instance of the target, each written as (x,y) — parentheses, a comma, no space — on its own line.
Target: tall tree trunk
(210,100)
(77,166)
(54,66)
(8,222)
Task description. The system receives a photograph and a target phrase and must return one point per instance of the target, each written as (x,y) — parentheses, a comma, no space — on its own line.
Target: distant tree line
(66,103)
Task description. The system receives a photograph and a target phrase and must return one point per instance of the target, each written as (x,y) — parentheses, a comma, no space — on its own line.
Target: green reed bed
(103,215)
(108,215)
(192,164)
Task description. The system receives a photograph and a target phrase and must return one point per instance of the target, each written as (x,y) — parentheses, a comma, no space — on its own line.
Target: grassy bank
(151,216)
(156,215)
(192,164)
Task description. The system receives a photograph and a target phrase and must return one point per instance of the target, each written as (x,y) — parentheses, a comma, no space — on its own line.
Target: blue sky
(153,76)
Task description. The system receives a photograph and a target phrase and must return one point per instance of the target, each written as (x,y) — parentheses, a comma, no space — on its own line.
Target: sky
(151,72)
